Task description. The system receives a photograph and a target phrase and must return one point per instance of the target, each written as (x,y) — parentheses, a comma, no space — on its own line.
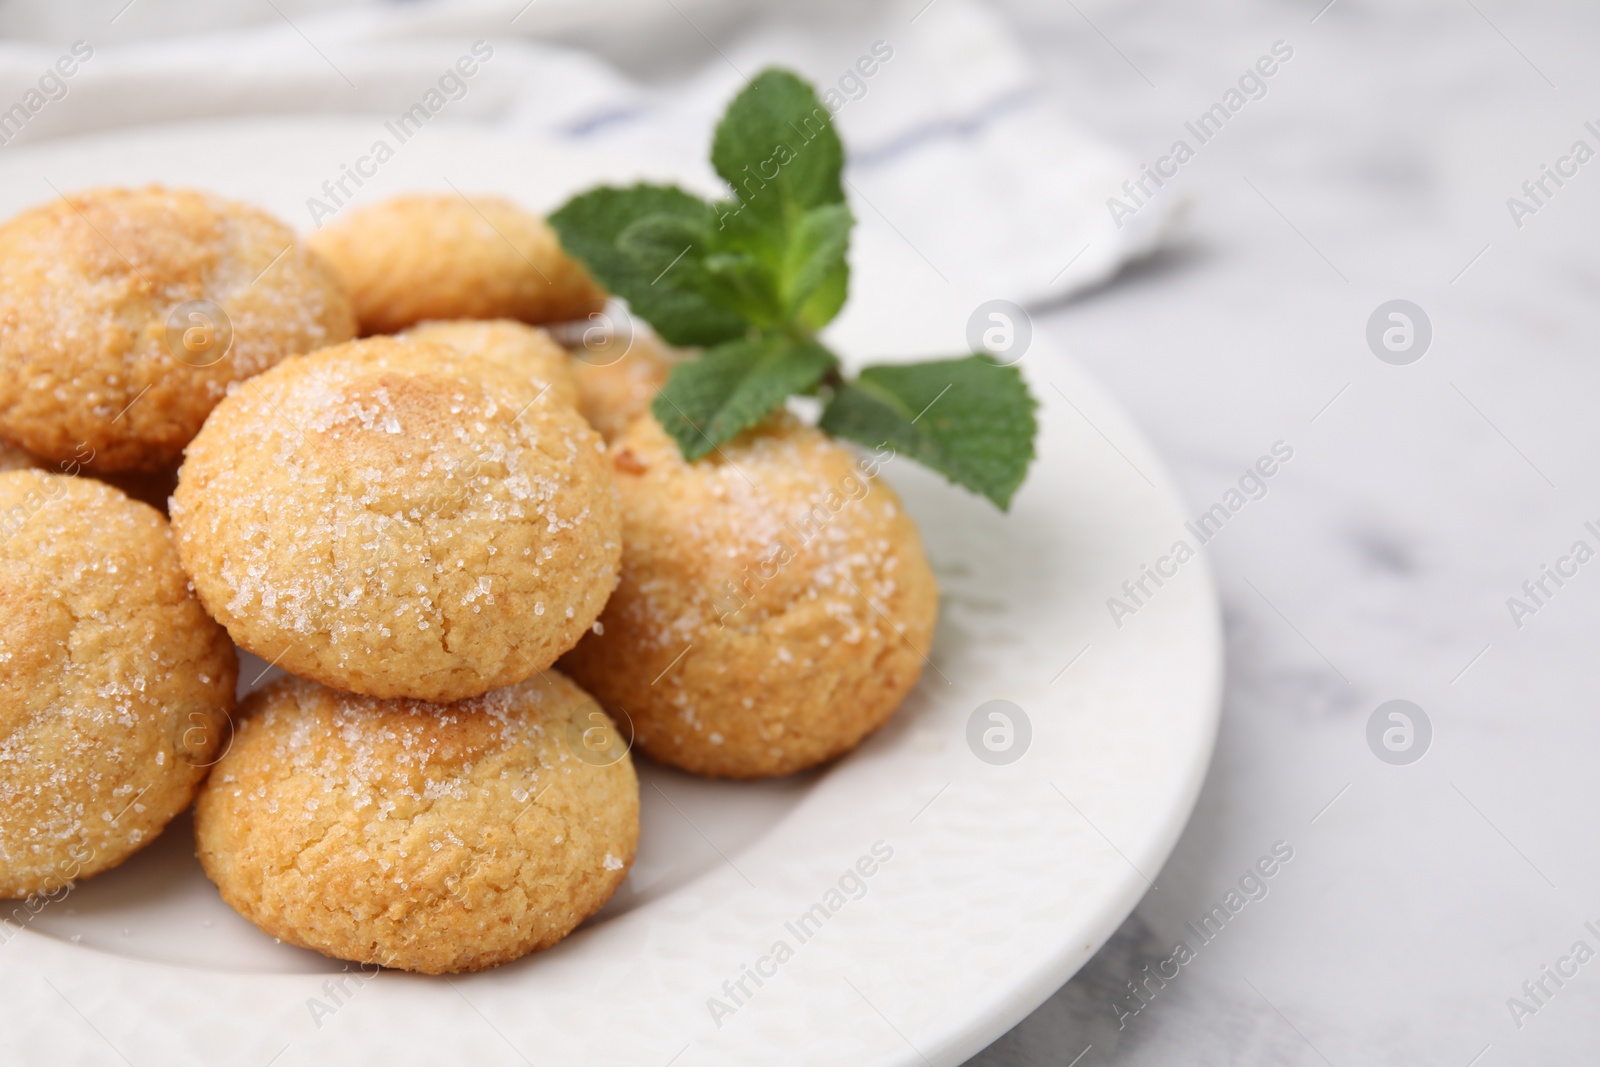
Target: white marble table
(1420,498)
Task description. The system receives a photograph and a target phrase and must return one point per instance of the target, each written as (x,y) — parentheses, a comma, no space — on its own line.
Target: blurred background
(1397,152)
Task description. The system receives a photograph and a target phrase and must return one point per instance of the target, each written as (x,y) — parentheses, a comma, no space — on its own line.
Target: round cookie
(115,686)
(441,256)
(399,519)
(424,837)
(775,604)
(527,350)
(102,350)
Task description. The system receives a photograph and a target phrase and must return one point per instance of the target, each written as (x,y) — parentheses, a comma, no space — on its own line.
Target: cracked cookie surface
(775,604)
(115,686)
(430,838)
(399,519)
(90,285)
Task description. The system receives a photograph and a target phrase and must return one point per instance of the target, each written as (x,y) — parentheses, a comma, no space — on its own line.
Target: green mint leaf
(672,250)
(734,386)
(681,253)
(814,253)
(749,286)
(825,303)
(590,226)
(969,419)
(660,242)
(777,147)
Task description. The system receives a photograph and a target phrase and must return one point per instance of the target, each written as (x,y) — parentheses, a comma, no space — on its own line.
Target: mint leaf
(814,252)
(734,386)
(590,226)
(683,254)
(659,243)
(750,286)
(777,147)
(825,303)
(673,250)
(969,419)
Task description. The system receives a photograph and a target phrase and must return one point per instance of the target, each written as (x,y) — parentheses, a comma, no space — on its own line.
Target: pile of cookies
(388,481)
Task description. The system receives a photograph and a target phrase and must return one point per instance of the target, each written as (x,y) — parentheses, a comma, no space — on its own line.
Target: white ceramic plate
(991,884)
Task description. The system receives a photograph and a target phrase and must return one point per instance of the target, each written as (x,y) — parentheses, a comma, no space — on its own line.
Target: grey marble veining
(1420,498)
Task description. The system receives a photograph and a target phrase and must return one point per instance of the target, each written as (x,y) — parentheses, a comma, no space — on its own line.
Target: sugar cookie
(399,519)
(115,686)
(126,313)
(443,256)
(775,604)
(433,838)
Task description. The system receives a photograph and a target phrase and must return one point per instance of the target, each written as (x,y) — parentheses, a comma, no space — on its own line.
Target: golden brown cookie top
(775,604)
(399,518)
(125,314)
(781,514)
(426,256)
(370,752)
(435,838)
(526,350)
(114,683)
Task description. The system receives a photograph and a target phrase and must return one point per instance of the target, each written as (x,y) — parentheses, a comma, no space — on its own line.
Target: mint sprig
(751,278)
(969,419)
